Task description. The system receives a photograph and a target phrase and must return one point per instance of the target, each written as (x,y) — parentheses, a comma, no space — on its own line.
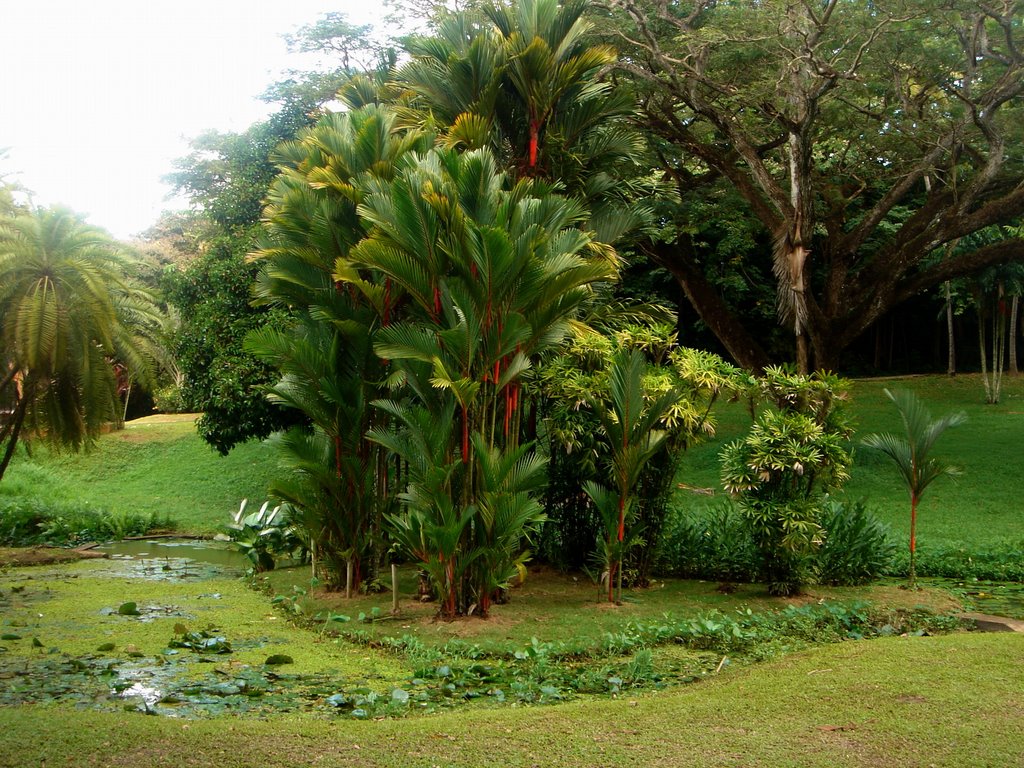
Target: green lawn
(930,701)
(916,701)
(154,465)
(979,508)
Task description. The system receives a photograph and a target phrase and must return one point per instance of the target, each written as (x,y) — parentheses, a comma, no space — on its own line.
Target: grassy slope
(976,509)
(158,465)
(932,701)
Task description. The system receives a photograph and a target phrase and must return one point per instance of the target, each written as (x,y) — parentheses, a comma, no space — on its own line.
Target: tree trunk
(717,316)
(951,360)
(16,423)
(981,350)
(998,344)
(913,541)
(803,358)
(1014,311)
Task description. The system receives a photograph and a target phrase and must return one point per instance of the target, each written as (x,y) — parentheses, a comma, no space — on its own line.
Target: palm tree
(910,453)
(490,277)
(523,80)
(68,313)
(634,439)
(337,484)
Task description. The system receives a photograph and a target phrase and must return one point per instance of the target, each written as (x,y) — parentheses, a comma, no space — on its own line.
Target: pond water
(171,559)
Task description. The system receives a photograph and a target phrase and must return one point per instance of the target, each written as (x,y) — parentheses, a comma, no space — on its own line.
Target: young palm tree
(67,313)
(633,437)
(490,277)
(910,453)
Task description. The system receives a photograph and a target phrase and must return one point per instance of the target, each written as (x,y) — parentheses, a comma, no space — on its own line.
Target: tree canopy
(862,137)
(71,321)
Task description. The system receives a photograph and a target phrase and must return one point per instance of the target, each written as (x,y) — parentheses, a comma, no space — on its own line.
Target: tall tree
(226,177)
(863,137)
(69,316)
(323,355)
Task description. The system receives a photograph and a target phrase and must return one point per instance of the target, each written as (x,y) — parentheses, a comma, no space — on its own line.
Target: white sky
(98,97)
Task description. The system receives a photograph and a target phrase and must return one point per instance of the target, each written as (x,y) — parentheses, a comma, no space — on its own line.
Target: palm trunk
(15,431)
(913,541)
(611,574)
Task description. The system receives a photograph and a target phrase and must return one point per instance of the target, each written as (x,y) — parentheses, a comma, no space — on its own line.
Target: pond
(168,559)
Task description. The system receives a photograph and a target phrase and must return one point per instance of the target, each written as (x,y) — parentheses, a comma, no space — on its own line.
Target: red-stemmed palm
(910,454)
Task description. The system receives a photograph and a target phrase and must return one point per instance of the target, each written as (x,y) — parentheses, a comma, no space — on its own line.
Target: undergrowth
(31,522)
(626,660)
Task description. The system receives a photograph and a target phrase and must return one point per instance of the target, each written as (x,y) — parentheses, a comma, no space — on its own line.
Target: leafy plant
(857,547)
(716,545)
(780,472)
(200,641)
(574,389)
(26,522)
(910,452)
(630,427)
(999,562)
(262,535)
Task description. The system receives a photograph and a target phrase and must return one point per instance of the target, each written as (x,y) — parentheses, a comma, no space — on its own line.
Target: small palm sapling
(910,453)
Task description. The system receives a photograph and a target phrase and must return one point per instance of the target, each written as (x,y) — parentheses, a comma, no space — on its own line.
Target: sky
(98,98)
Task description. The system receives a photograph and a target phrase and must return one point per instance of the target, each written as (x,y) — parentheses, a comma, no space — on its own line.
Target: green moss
(73,608)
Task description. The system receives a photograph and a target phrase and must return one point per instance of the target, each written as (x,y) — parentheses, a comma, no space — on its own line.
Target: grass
(154,465)
(943,701)
(898,701)
(975,510)
(563,610)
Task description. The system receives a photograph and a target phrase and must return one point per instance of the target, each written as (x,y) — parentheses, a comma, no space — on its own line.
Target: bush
(857,547)
(781,472)
(25,523)
(1001,562)
(170,399)
(719,546)
(716,546)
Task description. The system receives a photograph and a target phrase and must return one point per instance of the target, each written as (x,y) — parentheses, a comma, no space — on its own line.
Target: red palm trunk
(913,539)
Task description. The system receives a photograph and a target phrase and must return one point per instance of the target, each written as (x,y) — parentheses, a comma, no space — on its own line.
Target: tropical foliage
(782,470)
(582,393)
(71,324)
(910,453)
(439,269)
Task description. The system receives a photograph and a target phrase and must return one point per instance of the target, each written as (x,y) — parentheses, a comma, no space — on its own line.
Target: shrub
(1001,562)
(716,546)
(31,522)
(782,470)
(857,547)
(719,546)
